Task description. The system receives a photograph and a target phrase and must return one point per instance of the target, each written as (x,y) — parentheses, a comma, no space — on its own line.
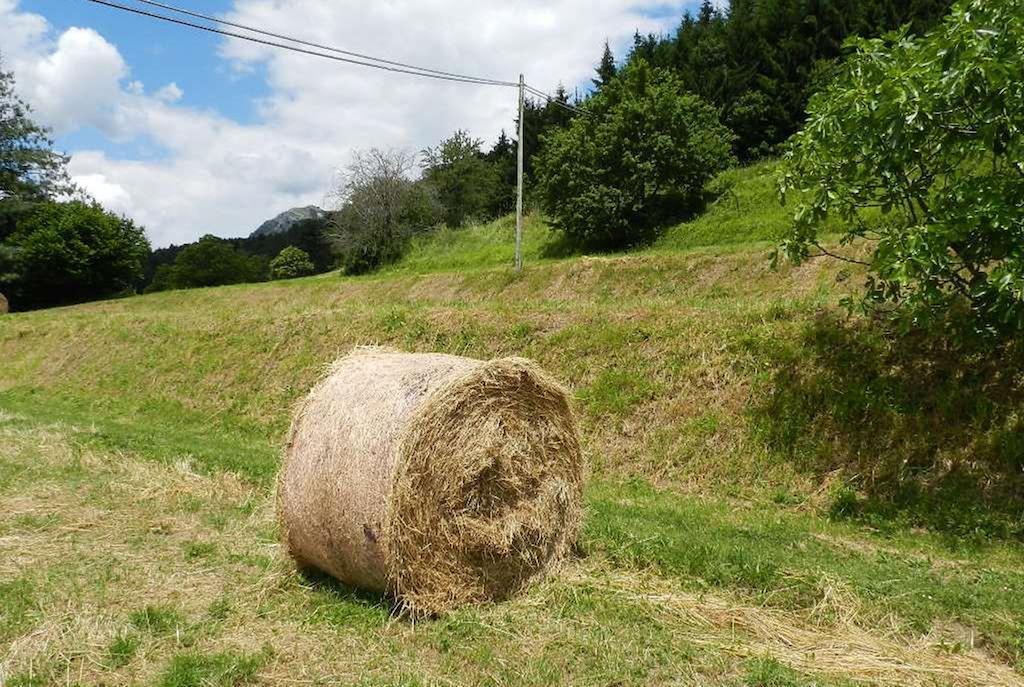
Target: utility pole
(519,189)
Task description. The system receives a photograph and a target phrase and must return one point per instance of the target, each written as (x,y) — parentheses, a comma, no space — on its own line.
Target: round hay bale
(438,479)
(3,304)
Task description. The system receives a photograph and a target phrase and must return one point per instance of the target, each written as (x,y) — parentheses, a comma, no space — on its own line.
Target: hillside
(752,517)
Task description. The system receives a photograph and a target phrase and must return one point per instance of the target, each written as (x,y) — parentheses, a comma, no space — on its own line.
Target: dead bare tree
(377,207)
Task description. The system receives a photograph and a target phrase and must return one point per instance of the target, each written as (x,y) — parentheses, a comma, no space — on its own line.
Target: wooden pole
(519,185)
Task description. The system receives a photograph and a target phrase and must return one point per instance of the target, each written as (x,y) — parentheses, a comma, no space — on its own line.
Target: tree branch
(826,253)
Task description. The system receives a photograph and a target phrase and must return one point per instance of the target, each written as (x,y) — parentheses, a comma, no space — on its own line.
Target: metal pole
(519,189)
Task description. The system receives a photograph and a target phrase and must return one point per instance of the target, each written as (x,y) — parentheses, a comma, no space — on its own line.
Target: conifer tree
(606,69)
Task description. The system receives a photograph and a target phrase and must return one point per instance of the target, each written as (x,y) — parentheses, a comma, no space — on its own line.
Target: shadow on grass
(925,433)
(339,604)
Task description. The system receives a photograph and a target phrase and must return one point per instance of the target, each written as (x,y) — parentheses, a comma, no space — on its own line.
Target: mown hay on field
(439,479)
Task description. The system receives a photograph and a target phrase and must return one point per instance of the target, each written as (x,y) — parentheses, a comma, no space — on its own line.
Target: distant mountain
(287,219)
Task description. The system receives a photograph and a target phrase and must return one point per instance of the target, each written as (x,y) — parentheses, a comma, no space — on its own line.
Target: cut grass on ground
(128,570)
(779,495)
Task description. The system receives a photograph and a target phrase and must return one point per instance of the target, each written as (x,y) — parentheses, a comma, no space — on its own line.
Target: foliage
(29,169)
(64,253)
(464,181)
(380,208)
(290,263)
(758,61)
(931,131)
(211,261)
(639,159)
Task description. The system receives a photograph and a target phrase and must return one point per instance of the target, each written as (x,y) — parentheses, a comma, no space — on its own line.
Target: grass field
(779,496)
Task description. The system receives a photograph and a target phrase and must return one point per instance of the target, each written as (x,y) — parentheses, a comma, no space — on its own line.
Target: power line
(415,71)
(555,101)
(190,13)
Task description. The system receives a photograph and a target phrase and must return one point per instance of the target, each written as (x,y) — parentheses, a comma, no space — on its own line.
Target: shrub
(64,253)
(639,159)
(291,262)
(931,132)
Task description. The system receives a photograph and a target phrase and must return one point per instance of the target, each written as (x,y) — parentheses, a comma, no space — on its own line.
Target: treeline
(760,61)
(724,87)
(301,250)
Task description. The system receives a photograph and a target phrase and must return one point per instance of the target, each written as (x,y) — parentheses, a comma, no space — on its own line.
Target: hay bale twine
(438,479)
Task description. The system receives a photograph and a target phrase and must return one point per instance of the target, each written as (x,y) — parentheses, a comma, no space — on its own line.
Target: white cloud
(110,195)
(170,93)
(75,84)
(219,176)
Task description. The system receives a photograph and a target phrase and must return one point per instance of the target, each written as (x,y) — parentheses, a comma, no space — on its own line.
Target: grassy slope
(704,559)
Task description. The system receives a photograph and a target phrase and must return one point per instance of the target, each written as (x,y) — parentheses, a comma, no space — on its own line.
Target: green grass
(768,479)
(475,246)
(214,670)
(122,650)
(744,209)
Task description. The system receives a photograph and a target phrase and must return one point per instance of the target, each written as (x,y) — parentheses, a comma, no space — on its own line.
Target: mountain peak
(287,219)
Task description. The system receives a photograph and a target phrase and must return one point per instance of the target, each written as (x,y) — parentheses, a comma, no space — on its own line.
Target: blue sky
(189,133)
(160,53)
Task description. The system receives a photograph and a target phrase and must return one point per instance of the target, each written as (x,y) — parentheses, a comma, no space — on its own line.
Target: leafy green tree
(931,132)
(71,252)
(211,261)
(606,68)
(290,263)
(638,159)
(464,180)
(29,168)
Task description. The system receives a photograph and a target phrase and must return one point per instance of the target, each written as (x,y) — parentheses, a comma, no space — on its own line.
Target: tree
(29,169)
(379,208)
(606,69)
(464,181)
(639,158)
(290,263)
(211,261)
(931,132)
(71,252)
(503,157)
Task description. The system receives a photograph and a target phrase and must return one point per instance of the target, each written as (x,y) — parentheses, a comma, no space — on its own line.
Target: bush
(63,253)
(931,132)
(290,263)
(638,160)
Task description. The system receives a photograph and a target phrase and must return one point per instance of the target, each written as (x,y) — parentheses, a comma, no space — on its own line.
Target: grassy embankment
(762,474)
